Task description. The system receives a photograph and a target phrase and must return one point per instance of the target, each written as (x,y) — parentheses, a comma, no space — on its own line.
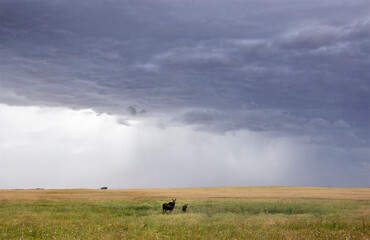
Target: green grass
(205,219)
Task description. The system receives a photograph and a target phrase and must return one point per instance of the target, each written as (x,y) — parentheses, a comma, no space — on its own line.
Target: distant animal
(104,188)
(169,206)
(184,207)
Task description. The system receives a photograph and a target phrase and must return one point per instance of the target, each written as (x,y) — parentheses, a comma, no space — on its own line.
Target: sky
(185,93)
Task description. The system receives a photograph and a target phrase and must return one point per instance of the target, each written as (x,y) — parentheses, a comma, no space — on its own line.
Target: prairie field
(213,213)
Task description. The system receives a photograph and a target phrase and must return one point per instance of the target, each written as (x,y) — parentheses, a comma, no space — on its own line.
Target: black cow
(169,206)
(184,207)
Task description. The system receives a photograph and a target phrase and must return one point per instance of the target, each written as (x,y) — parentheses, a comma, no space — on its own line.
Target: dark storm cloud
(298,67)
(315,130)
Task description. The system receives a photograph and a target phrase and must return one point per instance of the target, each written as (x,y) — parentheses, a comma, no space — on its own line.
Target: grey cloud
(316,131)
(201,57)
(132,110)
(123,121)
(265,66)
(328,37)
(312,39)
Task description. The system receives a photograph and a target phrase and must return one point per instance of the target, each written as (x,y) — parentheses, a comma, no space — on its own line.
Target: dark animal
(169,206)
(104,188)
(184,207)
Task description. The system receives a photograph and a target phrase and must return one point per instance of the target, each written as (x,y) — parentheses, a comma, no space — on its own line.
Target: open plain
(213,213)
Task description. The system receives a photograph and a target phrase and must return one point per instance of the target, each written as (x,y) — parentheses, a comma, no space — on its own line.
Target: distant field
(213,213)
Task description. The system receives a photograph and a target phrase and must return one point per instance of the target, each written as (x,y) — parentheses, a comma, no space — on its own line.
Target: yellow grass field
(213,213)
(231,193)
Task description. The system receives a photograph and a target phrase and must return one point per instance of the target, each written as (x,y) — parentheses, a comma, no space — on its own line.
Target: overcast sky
(184,93)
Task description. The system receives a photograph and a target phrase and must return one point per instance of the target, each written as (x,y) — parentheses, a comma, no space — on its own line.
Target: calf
(184,207)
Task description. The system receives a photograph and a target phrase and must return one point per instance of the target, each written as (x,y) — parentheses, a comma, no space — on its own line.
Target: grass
(214,213)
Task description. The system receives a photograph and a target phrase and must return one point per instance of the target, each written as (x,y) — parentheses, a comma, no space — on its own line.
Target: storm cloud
(237,71)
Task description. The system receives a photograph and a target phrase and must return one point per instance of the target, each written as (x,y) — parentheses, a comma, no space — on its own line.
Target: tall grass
(205,219)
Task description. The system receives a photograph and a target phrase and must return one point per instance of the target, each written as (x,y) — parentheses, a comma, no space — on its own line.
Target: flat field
(213,213)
